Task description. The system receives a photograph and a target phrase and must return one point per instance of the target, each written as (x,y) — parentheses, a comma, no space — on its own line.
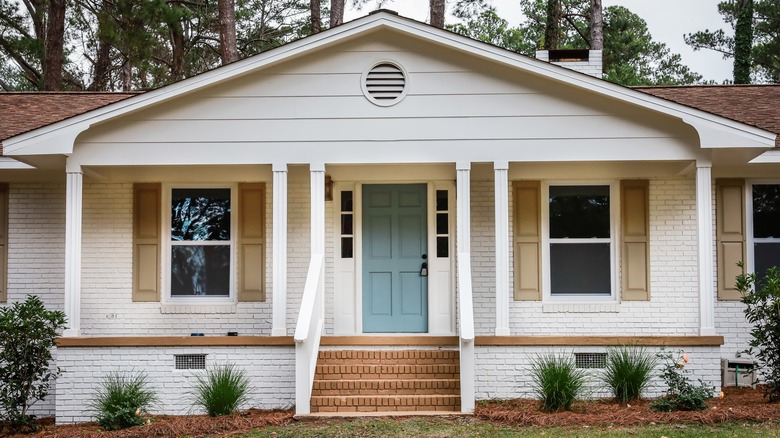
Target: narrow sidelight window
(347,225)
(442,223)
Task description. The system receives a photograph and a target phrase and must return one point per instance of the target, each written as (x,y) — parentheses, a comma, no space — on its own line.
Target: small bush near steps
(682,395)
(628,372)
(121,400)
(222,390)
(557,381)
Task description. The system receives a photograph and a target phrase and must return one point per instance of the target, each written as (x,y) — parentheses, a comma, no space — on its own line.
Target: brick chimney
(584,61)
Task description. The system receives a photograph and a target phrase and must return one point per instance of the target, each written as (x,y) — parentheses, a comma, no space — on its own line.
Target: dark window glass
(441,200)
(442,246)
(346,224)
(346,247)
(766,210)
(200,270)
(579,212)
(442,223)
(346,201)
(766,255)
(200,214)
(580,268)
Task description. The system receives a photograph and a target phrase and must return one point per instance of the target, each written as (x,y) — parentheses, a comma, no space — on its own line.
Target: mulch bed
(739,405)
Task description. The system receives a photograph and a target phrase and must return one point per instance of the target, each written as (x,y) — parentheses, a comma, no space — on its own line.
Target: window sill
(198,308)
(581,307)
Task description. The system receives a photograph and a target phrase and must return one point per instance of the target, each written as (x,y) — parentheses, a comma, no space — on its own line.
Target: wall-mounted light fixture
(328,188)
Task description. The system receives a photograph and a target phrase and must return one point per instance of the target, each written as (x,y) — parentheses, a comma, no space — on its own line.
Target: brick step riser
(337,362)
(347,385)
(331,409)
(369,392)
(388,355)
(387,369)
(382,401)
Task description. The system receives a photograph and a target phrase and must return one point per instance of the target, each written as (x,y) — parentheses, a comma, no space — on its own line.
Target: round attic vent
(384,84)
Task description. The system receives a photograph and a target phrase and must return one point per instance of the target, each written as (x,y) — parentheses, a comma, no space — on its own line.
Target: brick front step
(373,403)
(387,387)
(386,381)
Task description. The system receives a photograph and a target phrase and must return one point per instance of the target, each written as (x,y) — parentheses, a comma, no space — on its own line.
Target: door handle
(424,270)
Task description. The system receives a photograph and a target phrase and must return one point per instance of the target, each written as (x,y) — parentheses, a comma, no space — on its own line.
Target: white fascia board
(55,138)
(768,157)
(7,163)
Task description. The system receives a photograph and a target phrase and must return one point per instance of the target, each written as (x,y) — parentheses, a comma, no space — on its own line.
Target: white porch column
(501,171)
(73,207)
(463,191)
(706,257)
(279,327)
(463,236)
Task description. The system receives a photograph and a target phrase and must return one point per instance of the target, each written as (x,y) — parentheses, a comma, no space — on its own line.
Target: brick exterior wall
(270,369)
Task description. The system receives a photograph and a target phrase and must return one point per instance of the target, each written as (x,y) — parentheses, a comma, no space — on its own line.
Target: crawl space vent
(190,361)
(385,84)
(590,360)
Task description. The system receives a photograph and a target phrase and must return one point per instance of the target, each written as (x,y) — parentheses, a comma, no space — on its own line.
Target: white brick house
(384,185)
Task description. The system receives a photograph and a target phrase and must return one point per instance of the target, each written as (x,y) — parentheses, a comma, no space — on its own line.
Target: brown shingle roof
(22,112)
(757,105)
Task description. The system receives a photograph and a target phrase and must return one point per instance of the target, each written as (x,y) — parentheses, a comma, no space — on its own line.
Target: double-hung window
(580,241)
(201,243)
(765,227)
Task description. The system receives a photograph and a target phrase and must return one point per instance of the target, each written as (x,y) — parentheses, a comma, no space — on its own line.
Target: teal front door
(395,291)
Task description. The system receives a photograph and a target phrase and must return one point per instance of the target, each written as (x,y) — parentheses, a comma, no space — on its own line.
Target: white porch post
(706,257)
(501,170)
(463,236)
(279,327)
(73,207)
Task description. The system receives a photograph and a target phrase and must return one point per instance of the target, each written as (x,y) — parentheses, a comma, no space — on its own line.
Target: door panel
(395,295)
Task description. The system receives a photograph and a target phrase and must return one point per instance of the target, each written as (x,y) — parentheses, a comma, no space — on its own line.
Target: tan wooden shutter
(527,240)
(3,242)
(147,241)
(251,242)
(634,236)
(730,224)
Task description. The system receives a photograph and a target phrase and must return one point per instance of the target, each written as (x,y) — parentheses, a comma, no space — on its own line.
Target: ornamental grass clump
(628,371)
(557,381)
(122,399)
(681,395)
(222,390)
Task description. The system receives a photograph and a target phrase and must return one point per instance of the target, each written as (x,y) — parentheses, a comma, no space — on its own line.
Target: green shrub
(222,390)
(763,311)
(27,335)
(557,382)
(682,395)
(121,400)
(628,371)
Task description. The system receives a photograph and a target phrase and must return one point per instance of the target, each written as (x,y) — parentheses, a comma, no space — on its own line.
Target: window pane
(579,211)
(441,200)
(766,255)
(346,247)
(442,223)
(766,210)
(346,201)
(200,214)
(442,247)
(580,268)
(346,224)
(200,270)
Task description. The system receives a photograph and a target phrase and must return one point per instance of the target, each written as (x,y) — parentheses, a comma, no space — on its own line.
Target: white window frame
(167,245)
(614,216)
(750,241)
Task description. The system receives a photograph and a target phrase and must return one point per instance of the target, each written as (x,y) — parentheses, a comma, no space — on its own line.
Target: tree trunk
(102,66)
(438,8)
(743,42)
(552,33)
(336,12)
(127,76)
(596,25)
(227,31)
(316,16)
(53,48)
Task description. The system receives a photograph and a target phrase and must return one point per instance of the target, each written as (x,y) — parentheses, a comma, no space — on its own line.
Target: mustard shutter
(3,242)
(251,242)
(527,240)
(730,225)
(147,241)
(635,251)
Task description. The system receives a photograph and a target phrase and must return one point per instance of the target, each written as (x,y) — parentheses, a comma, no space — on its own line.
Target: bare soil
(737,405)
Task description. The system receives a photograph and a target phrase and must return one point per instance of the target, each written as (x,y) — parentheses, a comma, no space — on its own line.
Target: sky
(667,20)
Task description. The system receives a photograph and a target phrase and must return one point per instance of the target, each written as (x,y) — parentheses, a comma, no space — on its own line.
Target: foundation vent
(190,361)
(385,84)
(590,360)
